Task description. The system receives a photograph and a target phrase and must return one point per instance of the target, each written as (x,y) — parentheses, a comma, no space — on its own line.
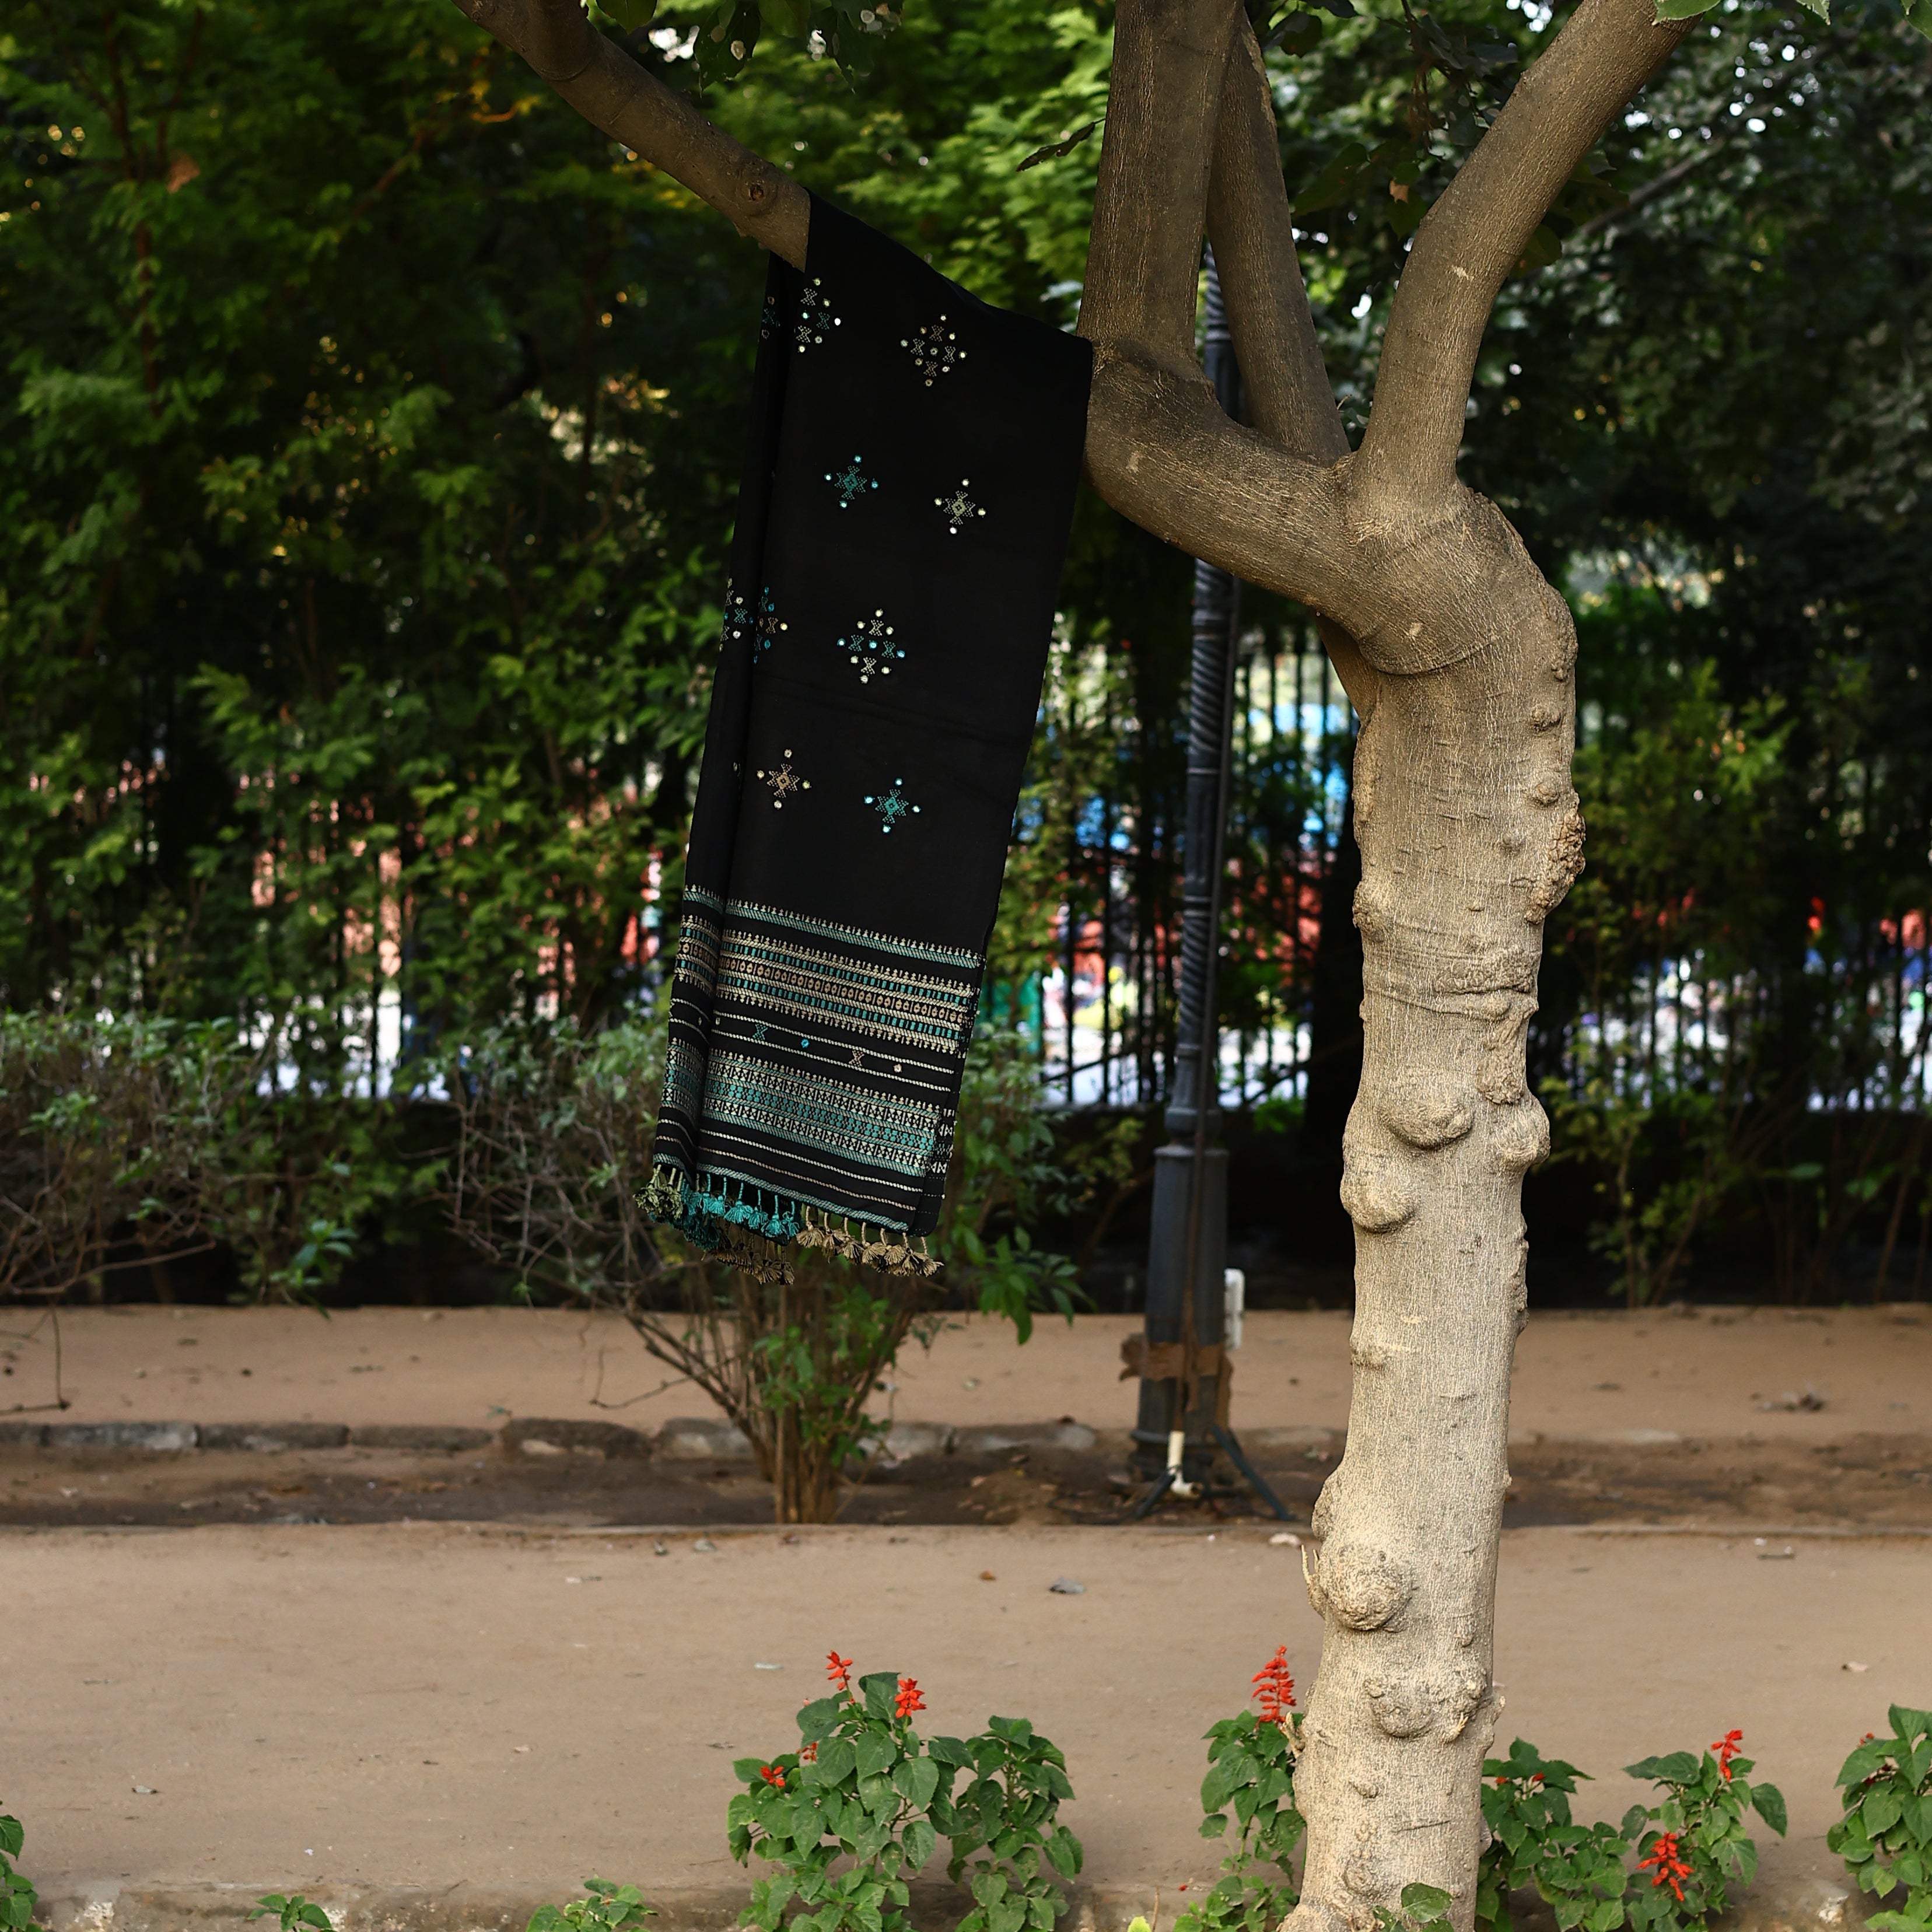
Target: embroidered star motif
(959,509)
(934,350)
(784,781)
(873,647)
(851,483)
(815,318)
(858,1058)
(766,627)
(759,1031)
(892,806)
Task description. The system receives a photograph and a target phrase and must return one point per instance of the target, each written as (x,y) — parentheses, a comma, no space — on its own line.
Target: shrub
(1885,1835)
(1577,1869)
(864,1786)
(554,1153)
(604,1908)
(1697,1844)
(1251,1759)
(18,1898)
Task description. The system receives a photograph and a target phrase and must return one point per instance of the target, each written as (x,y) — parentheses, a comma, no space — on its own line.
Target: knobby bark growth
(1458,656)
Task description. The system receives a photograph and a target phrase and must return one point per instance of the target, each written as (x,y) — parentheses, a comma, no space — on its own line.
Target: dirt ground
(292,1706)
(1860,1480)
(1597,1375)
(393,1666)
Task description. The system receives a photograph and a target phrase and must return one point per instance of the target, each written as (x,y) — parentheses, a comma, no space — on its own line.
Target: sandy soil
(434,1704)
(1593,1377)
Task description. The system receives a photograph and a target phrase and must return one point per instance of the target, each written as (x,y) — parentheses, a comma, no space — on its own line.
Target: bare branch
(1476,234)
(614,93)
(1151,200)
(1251,226)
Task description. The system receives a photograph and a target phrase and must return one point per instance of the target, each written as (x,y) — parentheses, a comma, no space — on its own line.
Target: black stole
(902,523)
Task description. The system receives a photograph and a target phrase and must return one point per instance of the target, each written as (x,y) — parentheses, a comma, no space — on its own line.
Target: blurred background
(368,443)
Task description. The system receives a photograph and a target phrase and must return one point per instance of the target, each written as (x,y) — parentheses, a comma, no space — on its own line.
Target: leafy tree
(1458,655)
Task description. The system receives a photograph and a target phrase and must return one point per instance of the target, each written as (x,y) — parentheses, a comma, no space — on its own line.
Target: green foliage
(1695,1844)
(1674,885)
(865,1786)
(604,1908)
(291,1912)
(1578,1870)
(1885,1835)
(1251,1772)
(124,1141)
(18,1898)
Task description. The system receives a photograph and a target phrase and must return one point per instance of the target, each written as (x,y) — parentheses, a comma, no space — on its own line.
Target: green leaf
(1680,1767)
(1768,1802)
(12,1837)
(1424,1901)
(1881,1811)
(919,1839)
(916,1778)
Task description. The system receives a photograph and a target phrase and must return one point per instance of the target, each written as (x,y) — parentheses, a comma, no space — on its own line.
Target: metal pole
(1187,1247)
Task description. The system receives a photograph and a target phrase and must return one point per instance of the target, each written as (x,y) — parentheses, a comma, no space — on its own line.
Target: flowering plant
(1251,1760)
(1885,1835)
(860,1806)
(1578,1870)
(1696,1844)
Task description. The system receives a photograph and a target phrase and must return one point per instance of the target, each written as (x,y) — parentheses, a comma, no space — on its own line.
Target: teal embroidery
(873,647)
(959,509)
(784,781)
(934,350)
(766,628)
(768,323)
(851,483)
(737,624)
(815,318)
(892,806)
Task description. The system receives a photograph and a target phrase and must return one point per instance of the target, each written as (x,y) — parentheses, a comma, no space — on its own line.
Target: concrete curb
(1806,1905)
(683,1439)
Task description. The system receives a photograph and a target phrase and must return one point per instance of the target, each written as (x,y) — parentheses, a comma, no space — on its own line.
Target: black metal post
(1184,1302)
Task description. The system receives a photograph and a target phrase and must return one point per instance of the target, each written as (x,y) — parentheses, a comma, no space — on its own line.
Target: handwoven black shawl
(901,522)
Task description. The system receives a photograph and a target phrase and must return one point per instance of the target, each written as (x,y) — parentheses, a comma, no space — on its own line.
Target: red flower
(771,1774)
(810,1754)
(909,1699)
(839,1670)
(1274,1689)
(1727,1747)
(1670,1866)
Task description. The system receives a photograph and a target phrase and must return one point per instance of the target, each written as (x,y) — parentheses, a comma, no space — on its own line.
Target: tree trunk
(1458,656)
(1469,832)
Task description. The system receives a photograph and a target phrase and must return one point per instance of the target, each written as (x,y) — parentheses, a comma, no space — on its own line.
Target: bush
(864,1786)
(1885,1835)
(554,1155)
(1252,1760)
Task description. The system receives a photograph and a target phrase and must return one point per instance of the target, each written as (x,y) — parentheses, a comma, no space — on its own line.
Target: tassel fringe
(750,1229)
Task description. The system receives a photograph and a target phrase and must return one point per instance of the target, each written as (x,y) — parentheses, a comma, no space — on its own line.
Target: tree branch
(614,93)
(1144,266)
(1252,225)
(1475,235)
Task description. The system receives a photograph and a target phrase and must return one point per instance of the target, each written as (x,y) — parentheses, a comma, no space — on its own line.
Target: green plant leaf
(1768,1802)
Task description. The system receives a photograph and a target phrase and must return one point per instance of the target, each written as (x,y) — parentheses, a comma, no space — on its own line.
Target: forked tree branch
(615,95)
(1476,234)
(1252,225)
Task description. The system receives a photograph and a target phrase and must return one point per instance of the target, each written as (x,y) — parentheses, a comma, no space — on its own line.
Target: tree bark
(1458,656)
